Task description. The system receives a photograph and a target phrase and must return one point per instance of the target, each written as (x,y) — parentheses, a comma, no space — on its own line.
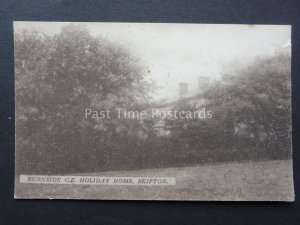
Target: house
(194,98)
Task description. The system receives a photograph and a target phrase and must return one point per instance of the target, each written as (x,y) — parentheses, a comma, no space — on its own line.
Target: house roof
(188,96)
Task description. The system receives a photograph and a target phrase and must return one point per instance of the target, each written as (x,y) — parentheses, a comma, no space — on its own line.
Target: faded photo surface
(146,111)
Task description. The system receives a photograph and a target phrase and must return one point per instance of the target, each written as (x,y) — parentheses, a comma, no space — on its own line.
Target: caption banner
(95,180)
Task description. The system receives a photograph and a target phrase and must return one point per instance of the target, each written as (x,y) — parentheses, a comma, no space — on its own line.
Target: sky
(176,52)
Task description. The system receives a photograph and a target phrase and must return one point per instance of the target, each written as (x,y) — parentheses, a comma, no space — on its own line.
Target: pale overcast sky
(182,52)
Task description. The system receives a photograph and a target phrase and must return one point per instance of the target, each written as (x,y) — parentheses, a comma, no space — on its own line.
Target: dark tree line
(57,77)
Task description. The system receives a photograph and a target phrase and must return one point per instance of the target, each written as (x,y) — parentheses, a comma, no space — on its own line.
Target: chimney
(183,89)
(203,83)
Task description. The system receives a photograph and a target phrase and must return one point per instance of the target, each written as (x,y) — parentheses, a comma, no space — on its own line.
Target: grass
(247,181)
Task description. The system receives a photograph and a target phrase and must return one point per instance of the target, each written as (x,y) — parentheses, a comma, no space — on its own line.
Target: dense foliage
(57,78)
(251,120)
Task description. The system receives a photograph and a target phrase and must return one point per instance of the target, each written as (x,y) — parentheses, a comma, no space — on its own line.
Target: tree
(251,107)
(57,78)
(259,97)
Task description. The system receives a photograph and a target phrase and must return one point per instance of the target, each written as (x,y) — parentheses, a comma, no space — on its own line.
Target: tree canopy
(57,77)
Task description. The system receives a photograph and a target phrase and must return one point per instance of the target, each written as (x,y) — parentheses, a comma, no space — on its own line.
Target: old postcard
(149,111)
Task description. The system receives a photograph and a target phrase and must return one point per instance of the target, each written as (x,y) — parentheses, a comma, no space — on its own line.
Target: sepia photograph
(153,111)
